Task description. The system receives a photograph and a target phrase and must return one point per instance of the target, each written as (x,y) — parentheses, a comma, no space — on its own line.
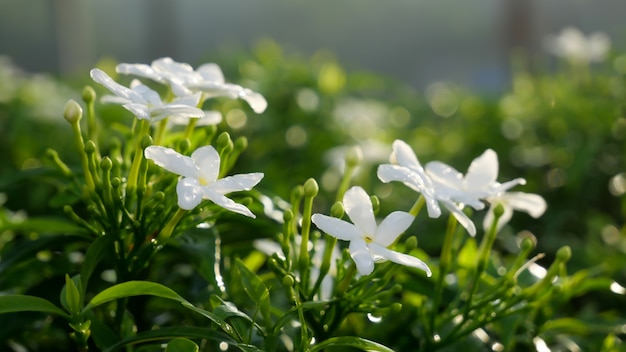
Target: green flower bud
(528,243)
(297,192)
(410,243)
(73,112)
(223,140)
(564,254)
(116,182)
(241,144)
(288,281)
(146,141)
(354,156)
(106,163)
(498,210)
(184,145)
(375,204)
(311,188)
(89,95)
(396,307)
(337,210)
(159,196)
(287,215)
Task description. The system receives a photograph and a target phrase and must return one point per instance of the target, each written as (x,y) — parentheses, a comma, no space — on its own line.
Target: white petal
(404,154)
(362,257)
(235,183)
(101,77)
(171,160)
(445,175)
(141,70)
(211,72)
(358,206)
(461,217)
(190,100)
(338,228)
(141,111)
(482,172)
(207,161)
(530,203)
(210,118)
(410,178)
(189,193)
(399,258)
(256,101)
(227,203)
(392,227)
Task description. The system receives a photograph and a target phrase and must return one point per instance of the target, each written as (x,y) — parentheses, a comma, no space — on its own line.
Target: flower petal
(482,172)
(338,228)
(189,193)
(531,203)
(227,203)
(461,217)
(399,258)
(256,101)
(404,155)
(207,161)
(362,257)
(235,183)
(358,206)
(410,178)
(141,70)
(171,160)
(101,77)
(211,72)
(444,175)
(392,227)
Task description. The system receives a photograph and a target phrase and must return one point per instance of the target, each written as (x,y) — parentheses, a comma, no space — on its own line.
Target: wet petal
(461,217)
(207,161)
(392,227)
(171,160)
(338,228)
(482,172)
(399,258)
(358,206)
(235,183)
(189,193)
(362,257)
(404,155)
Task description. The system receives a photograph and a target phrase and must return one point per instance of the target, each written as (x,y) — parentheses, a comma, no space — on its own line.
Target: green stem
(144,129)
(168,229)
(80,144)
(417,206)
(445,261)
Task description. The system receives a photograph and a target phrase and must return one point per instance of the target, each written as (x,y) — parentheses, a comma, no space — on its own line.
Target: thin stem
(168,229)
(444,265)
(417,206)
(144,129)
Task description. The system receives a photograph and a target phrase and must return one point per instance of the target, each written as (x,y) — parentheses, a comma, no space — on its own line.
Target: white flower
(183,80)
(532,204)
(573,45)
(407,169)
(145,103)
(368,241)
(199,177)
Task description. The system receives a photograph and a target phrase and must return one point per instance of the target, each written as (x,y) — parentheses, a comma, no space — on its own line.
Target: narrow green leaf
(95,253)
(133,288)
(24,303)
(255,288)
(71,294)
(180,344)
(350,341)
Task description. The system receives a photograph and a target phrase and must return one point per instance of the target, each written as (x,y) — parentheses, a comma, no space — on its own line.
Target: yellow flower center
(368,239)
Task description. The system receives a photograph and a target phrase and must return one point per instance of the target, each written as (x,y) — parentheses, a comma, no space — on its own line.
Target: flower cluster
(438,183)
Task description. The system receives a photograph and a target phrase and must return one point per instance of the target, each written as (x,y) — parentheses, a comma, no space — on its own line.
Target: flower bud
(241,144)
(159,196)
(354,156)
(297,192)
(223,140)
(396,307)
(116,182)
(410,243)
(90,147)
(288,281)
(106,164)
(287,215)
(184,145)
(528,243)
(73,111)
(311,188)
(375,204)
(89,95)
(498,210)
(564,254)
(337,210)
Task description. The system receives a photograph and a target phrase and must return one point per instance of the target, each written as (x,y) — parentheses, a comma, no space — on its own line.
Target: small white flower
(573,45)
(183,80)
(369,241)
(199,177)
(533,204)
(145,103)
(407,169)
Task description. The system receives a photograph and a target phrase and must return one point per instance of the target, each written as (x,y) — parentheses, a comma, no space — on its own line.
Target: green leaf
(45,225)
(133,288)
(95,253)
(169,333)
(180,344)
(255,288)
(24,303)
(351,341)
(71,298)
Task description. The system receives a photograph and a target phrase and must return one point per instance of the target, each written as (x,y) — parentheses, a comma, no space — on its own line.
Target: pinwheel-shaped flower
(184,81)
(145,103)
(199,178)
(369,241)
(533,204)
(407,169)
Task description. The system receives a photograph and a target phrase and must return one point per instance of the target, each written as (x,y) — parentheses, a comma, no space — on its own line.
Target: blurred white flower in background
(572,45)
